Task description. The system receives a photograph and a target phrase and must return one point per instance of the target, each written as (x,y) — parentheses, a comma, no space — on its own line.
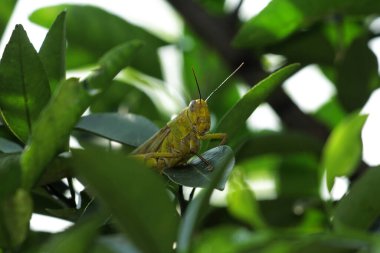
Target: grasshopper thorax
(199,116)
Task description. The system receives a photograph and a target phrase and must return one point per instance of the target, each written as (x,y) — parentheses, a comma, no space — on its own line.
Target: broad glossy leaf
(6,10)
(121,97)
(110,100)
(115,244)
(241,201)
(235,239)
(278,20)
(210,70)
(298,176)
(34,241)
(331,113)
(58,119)
(53,128)
(197,209)
(197,174)
(293,175)
(111,63)
(235,118)
(281,143)
(357,75)
(92,31)
(306,47)
(279,212)
(360,208)
(215,7)
(24,86)
(7,134)
(316,243)
(155,89)
(53,51)
(77,239)
(135,195)
(128,129)
(281,18)
(343,148)
(7,146)
(228,239)
(261,168)
(10,174)
(351,28)
(59,168)
(43,201)
(16,212)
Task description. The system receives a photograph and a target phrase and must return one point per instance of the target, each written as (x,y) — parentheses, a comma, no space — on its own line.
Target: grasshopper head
(199,116)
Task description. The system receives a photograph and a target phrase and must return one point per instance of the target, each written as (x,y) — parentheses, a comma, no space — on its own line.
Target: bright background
(308,88)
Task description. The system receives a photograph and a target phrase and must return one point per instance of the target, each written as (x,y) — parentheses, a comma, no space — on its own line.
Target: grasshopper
(179,140)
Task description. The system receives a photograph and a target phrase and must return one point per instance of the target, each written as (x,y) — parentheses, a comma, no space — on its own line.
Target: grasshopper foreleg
(215,136)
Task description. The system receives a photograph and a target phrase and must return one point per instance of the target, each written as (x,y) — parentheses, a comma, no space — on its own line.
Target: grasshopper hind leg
(149,161)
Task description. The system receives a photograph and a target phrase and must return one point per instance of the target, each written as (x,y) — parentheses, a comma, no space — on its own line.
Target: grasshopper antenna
(225,80)
(196,80)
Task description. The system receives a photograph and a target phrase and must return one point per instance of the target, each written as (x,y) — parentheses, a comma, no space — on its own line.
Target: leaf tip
(19,27)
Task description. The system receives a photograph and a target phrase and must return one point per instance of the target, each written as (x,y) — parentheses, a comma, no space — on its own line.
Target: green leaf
(135,195)
(7,134)
(77,239)
(281,18)
(115,244)
(215,7)
(343,148)
(16,212)
(282,143)
(341,34)
(306,47)
(241,201)
(34,241)
(10,174)
(24,86)
(228,239)
(7,146)
(6,10)
(155,89)
(121,97)
(111,63)
(360,208)
(59,168)
(357,75)
(236,117)
(92,31)
(197,174)
(112,98)
(298,176)
(52,130)
(278,20)
(43,202)
(53,51)
(128,129)
(204,60)
(197,209)
(331,113)
(358,7)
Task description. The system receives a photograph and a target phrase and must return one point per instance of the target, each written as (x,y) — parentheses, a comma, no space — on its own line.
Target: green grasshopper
(179,140)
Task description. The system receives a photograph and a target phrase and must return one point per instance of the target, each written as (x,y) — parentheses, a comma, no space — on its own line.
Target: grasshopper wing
(153,143)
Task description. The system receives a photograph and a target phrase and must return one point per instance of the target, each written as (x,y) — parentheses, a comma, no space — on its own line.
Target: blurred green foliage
(272,180)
